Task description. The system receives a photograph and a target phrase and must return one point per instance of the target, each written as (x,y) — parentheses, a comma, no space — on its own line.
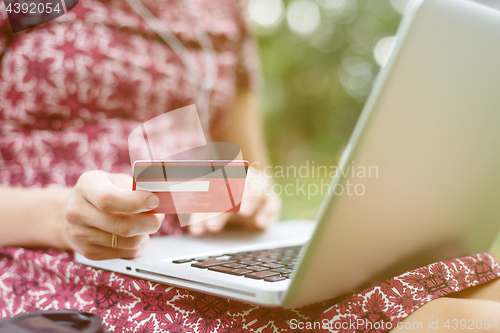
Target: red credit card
(213,186)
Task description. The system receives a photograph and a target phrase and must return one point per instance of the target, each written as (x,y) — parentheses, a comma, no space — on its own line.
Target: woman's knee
(454,315)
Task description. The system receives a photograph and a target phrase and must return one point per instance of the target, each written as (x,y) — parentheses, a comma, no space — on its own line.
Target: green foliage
(309,114)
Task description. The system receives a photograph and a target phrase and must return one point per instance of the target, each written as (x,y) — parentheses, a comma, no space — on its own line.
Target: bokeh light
(383,50)
(303,16)
(342,11)
(267,13)
(356,76)
(333,4)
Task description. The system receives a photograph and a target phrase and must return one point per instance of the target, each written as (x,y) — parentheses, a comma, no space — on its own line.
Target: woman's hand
(102,204)
(259,207)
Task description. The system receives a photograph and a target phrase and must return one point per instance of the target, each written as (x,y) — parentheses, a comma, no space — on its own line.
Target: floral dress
(71,91)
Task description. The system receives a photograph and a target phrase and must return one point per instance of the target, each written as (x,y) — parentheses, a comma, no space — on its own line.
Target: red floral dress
(71,91)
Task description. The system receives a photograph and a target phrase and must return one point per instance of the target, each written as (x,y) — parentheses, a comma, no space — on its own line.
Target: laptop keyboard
(269,265)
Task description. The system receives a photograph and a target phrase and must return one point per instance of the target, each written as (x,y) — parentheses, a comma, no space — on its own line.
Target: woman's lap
(476,308)
(49,279)
(454,314)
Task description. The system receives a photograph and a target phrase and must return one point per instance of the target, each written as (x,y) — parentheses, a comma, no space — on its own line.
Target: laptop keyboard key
(274,278)
(260,275)
(238,257)
(208,263)
(234,265)
(182,261)
(286,261)
(282,270)
(249,262)
(228,270)
(257,268)
(271,265)
(202,258)
(266,259)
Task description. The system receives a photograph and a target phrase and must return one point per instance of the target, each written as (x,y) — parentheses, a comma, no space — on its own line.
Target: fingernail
(152,202)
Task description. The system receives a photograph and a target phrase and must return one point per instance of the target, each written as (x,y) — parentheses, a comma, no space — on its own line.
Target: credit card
(193,186)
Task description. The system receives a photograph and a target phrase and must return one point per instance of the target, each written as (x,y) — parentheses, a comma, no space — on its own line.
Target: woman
(72,90)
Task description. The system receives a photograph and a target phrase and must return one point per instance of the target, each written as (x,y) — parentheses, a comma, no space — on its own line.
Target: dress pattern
(46,279)
(71,91)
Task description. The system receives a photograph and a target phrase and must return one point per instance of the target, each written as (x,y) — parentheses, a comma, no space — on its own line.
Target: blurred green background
(319,60)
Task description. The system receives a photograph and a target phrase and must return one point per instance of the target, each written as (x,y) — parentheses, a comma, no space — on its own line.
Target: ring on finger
(114,241)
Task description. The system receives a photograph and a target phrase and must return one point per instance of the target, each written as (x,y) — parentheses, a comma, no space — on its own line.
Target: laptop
(430,129)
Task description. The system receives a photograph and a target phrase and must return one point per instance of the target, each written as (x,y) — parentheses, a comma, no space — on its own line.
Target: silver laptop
(431,131)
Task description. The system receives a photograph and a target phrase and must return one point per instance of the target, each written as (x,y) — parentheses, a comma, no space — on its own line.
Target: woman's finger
(217,223)
(121,180)
(200,223)
(197,229)
(250,204)
(84,213)
(196,223)
(269,212)
(255,194)
(89,236)
(98,188)
(97,252)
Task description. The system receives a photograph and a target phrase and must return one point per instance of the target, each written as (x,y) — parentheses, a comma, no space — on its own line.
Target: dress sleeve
(248,73)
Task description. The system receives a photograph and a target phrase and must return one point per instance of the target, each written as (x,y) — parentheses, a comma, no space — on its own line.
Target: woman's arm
(33,217)
(82,218)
